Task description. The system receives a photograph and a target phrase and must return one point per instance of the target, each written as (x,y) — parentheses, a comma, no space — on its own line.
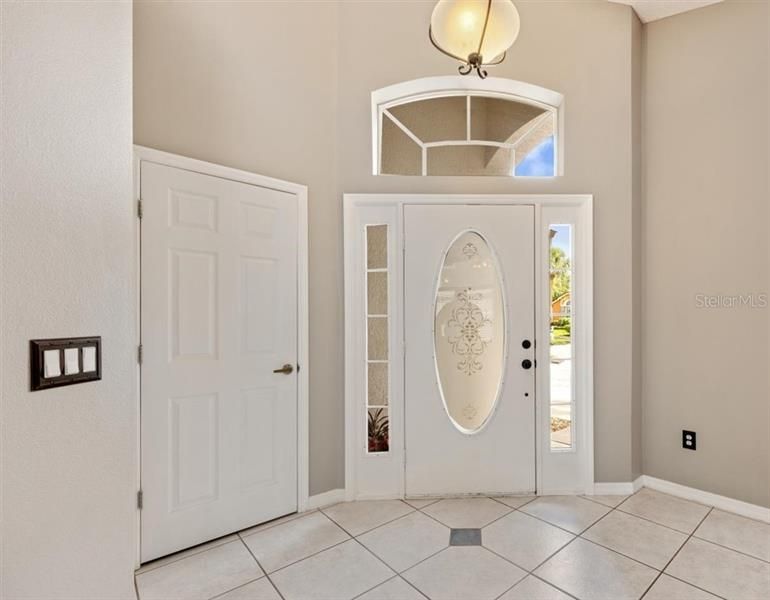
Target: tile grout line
(413,509)
(625,512)
(260,527)
(299,560)
(294,562)
(697,587)
(527,571)
(222,541)
(275,587)
(663,570)
(355,538)
(581,536)
(728,548)
(146,569)
(236,588)
(590,499)
(366,591)
(562,528)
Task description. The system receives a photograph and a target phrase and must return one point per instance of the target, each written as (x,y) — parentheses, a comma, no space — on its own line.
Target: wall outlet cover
(688,440)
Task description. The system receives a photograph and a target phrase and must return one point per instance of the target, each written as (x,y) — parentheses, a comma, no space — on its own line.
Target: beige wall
(252,85)
(69,473)
(204,88)
(706,232)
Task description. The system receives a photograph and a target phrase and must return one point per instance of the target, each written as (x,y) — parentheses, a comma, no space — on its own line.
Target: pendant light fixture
(475,32)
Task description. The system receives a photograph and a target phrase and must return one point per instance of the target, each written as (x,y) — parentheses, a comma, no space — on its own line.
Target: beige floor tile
(739,533)
(642,540)
(359,517)
(201,575)
(463,513)
(721,571)
(261,589)
(606,499)
(569,512)
(406,541)
(166,560)
(340,573)
(676,513)
(515,501)
(289,542)
(419,503)
(532,588)
(668,588)
(462,573)
(524,540)
(274,522)
(590,572)
(393,589)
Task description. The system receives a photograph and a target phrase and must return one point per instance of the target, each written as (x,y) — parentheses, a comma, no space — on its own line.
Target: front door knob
(526,364)
(286,369)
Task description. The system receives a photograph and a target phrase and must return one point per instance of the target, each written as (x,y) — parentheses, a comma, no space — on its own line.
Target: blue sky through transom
(539,162)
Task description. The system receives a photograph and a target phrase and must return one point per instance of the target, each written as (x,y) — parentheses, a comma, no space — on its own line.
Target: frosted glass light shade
(464,30)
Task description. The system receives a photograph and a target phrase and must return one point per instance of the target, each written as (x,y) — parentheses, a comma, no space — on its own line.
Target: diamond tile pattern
(545,548)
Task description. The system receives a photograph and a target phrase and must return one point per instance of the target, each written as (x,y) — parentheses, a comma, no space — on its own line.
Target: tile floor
(649,545)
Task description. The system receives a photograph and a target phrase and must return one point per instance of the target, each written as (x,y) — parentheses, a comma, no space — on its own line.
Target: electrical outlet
(688,440)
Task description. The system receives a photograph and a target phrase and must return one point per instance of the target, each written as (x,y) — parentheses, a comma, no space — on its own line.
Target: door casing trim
(144,154)
(356,483)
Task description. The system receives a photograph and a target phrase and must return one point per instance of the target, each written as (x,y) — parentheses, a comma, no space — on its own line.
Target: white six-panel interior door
(218,316)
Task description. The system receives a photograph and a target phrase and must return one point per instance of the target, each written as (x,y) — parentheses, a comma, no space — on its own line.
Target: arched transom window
(455,126)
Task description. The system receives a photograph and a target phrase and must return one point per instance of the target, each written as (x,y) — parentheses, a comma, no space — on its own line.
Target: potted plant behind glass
(379,430)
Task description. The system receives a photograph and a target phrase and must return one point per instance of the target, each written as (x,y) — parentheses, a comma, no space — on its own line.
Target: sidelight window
(377,342)
(562,380)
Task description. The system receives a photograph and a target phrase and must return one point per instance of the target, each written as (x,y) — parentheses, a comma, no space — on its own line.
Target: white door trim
(144,154)
(370,476)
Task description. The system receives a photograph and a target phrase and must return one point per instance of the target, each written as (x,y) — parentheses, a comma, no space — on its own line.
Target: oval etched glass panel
(469,332)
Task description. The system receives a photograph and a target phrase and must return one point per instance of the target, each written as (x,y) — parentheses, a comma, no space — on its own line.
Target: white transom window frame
(370,476)
(457,85)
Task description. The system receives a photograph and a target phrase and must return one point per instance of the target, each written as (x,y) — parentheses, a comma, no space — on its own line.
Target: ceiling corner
(652,10)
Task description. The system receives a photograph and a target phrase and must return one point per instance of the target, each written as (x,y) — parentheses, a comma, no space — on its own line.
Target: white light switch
(89,359)
(71,361)
(51,364)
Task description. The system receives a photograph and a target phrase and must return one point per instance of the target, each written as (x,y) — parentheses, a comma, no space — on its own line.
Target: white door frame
(144,154)
(372,476)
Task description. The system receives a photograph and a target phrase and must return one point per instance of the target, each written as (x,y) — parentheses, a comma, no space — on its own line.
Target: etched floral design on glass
(469,331)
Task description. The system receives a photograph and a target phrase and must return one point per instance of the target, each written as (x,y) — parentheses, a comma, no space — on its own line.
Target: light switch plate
(64,361)
(71,361)
(89,359)
(51,363)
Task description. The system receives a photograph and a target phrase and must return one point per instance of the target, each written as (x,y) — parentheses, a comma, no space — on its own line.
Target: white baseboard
(738,507)
(325,499)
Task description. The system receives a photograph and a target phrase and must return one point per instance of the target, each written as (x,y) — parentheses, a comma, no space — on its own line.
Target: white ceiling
(652,10)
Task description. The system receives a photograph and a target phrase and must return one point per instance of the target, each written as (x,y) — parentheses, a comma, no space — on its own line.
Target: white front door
(469,327)
(218,316)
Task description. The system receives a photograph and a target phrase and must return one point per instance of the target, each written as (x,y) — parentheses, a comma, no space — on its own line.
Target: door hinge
(139,209)
(140,354)
(140,499)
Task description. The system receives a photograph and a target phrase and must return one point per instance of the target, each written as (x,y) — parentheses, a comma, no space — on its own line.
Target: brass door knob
(286,369)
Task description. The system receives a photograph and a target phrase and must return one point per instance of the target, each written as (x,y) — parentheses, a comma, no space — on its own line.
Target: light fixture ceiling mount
(470,30)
